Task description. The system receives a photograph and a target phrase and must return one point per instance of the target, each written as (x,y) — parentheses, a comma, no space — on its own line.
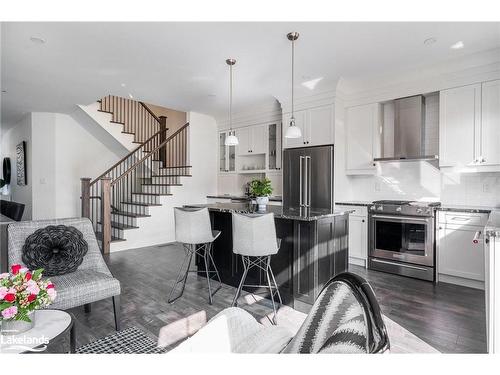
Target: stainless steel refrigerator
(308,177)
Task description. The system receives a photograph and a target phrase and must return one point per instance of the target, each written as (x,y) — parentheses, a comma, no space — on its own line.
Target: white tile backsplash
(422,181)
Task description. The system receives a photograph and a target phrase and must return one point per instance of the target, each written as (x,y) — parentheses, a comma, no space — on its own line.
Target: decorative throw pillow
(57,249)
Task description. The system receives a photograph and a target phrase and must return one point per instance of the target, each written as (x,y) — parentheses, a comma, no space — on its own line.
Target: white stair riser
(166,180)
(133,208)
(153,199)
(124,219)
(157,189)
(115,232)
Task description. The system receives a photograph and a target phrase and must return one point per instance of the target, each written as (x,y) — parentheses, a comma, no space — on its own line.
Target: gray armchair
(91,282)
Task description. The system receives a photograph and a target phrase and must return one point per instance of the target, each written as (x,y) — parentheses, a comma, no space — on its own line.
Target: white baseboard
(461,281)
(357,261)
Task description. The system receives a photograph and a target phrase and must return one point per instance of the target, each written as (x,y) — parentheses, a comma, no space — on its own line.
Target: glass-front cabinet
(274,151)
(227,155)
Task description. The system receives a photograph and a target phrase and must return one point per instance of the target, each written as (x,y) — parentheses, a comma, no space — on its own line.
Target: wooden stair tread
(121,226)
(156,194)
(113,238)
(178,166)
(146,184)
(129,214)
(142,204)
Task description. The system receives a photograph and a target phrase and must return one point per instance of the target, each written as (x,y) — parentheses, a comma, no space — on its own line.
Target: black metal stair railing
(116,199)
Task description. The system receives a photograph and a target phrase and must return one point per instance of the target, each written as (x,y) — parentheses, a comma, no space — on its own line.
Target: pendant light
(231,139)
(293,131)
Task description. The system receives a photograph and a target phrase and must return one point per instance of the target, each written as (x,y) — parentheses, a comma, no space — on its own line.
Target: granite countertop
(465,208)
(355,203)
(291,213)
(275,198)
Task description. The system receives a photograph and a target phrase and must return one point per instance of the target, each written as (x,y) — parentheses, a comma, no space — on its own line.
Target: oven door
(403,238)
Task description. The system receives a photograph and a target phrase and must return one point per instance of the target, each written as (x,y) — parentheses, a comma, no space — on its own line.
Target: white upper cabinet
(469,126)
(459,117)
(243,135)
(316,124)
(321,126)
(258,139)
(490,123)
(252,140)
(362,138)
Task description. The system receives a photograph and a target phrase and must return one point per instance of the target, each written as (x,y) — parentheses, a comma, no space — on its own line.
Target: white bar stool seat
(194,231)
(254,238)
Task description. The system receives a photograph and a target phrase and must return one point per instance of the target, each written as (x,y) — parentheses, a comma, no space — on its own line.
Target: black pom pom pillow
(57,249)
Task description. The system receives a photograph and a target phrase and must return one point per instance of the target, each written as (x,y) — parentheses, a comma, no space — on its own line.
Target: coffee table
(49,324)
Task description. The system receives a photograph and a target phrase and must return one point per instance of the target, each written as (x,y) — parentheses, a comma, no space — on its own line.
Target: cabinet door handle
(475,239)
(363,220)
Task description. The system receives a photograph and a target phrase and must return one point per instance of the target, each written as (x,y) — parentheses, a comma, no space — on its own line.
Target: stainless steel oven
(401,239)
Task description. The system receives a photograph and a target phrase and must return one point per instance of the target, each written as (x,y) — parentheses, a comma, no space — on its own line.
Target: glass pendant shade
(231,140)
(293,131)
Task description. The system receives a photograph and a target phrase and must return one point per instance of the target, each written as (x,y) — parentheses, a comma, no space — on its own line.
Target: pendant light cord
(230,99)
(293,69)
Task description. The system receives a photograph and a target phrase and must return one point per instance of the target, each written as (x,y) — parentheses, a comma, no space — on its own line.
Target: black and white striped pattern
(335,324)
(129,341)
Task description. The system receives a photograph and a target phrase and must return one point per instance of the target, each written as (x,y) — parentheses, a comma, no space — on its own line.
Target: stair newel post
(163,137)
(85,183)
(106,213)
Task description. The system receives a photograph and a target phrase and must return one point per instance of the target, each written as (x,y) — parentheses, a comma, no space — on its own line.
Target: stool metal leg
(205,259)
(271,288)
(240,286)
(275,284)
(179,279)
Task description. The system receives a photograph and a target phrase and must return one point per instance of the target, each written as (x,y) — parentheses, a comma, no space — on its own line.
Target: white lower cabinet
(460,259)
(358,234)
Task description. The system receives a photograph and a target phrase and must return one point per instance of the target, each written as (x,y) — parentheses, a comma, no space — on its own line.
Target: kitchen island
(314,248)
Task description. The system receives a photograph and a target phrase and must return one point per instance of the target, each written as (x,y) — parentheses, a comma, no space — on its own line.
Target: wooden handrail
(150,111)
(127,156)
(137,163)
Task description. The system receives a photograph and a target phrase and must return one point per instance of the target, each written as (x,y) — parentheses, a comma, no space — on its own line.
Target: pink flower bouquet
(22,292)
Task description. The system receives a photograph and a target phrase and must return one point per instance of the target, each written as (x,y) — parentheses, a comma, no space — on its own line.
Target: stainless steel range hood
(404,138)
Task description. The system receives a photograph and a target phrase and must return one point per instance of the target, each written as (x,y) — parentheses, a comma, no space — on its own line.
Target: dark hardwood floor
(448,317)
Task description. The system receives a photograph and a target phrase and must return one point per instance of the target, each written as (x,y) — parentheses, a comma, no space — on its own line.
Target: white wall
(59,152)
(10,138)
(43,133)
(159,228)
(78,153)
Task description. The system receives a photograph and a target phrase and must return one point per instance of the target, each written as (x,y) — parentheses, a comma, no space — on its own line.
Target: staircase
(119,198)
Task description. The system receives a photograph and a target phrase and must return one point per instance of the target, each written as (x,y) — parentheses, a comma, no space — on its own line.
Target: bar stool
(193,230)
(254,238)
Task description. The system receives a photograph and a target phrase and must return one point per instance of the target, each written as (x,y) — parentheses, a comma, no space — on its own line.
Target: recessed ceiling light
(37,40)
(458,45)
(123,85)
(430,41)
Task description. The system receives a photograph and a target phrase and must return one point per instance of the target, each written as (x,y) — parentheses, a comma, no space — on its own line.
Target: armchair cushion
(57,249)
(82,287)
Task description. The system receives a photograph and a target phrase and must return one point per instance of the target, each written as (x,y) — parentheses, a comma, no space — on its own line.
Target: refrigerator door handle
(308,165)
(301,204)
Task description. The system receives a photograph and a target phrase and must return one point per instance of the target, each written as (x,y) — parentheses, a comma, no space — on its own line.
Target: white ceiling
(182,65)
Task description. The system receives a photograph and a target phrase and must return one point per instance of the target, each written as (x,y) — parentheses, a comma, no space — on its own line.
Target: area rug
(129,341)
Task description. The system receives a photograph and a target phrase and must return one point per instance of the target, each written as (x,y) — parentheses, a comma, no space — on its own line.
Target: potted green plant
(261,190)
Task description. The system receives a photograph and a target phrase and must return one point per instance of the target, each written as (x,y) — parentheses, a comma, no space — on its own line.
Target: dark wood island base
(314,248)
